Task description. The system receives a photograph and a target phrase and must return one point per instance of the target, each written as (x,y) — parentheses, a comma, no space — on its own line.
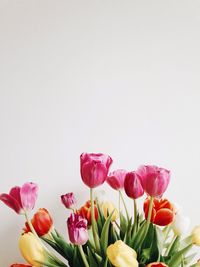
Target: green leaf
(177,257)
(104,234)
(91,258)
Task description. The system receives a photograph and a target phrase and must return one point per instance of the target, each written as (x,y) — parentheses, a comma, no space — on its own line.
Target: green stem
(135,212)
(83,256)
(148,220)
(127,215)
(95,235)
(119,202)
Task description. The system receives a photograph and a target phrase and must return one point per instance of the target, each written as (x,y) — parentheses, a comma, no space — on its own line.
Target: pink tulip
(21,199)
(132,185)
(68,200)
(154,180)
(77,229)
(94,168)
(116,179)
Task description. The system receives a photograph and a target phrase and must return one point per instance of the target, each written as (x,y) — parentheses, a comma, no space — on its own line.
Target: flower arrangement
(102,235)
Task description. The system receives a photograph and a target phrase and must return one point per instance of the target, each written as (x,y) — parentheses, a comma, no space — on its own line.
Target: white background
(118,77)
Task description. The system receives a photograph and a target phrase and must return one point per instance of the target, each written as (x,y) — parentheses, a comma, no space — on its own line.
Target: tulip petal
(29,195)
(164,217)
(11,202)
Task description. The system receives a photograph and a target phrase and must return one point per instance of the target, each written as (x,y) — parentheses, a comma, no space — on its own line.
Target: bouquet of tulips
(102,234)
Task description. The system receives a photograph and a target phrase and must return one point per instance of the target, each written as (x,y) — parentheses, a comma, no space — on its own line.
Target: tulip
(86,212)
(20,265)
(32,250)
(42,222)
(132,185)
(121,255)
(116,179)
(77,229)
(154,180)
(157,264)
(162,211)
(69,200)
(94,168)
(21,199)
(107,208)
(180,224)
(196,235)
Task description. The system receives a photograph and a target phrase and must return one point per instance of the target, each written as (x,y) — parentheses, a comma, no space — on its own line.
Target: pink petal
(11,202)
(28,195)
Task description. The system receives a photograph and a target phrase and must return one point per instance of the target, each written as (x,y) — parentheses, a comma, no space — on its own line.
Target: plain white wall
(118,77)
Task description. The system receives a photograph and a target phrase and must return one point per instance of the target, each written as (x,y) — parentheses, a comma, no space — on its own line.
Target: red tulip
(85,211)
(132,185)
(42,222)
(77,229)
(154,180)
(116,179)
(21,199)
(162,212)
(157,264)
(68,200)
(94,168)
(20,265)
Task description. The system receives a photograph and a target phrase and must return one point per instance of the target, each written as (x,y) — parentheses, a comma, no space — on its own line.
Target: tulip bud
(180,224)
(77,229)
(154,180)
(132,185)
(108,207)
(69,200)
(196,235)
(121,255)
(31,249)
(85,211)
(21,199)
(157,264)
(116,179)
(94,168)
(20,265)
(42,222)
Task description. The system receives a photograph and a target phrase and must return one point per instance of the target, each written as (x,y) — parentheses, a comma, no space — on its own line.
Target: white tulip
(180,224)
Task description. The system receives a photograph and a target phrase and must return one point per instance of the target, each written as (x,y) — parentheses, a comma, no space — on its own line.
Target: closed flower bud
(42,222)
(69,200)
(132,185)
(116,179)
(94,168)
(154,180)
(108,207)
(85,212)
(196,235)
(121,255)
(31,249)
(180,224)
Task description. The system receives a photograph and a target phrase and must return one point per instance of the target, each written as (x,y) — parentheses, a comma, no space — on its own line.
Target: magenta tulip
(77,229)
(132,185)
(94,168)
(68,200)
(116,179)
(21,199)
(154,180)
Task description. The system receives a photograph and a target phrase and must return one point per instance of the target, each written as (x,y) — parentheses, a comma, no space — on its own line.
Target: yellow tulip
(108,208)
(121,255)
(31,249)
(196,235)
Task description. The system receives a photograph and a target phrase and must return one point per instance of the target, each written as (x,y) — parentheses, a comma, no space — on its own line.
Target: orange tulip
(162,212)
(42,222)
(157,264)
(85,211)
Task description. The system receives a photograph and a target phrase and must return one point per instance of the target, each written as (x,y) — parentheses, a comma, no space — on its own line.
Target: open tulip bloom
(101,234)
